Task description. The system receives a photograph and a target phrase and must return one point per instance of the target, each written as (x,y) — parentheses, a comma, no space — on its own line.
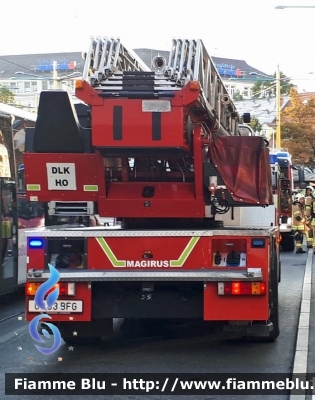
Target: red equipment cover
(243,163)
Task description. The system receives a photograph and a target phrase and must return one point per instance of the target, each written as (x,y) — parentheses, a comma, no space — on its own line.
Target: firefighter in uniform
(309,228)
(313,222)
(298,222)
(308,191)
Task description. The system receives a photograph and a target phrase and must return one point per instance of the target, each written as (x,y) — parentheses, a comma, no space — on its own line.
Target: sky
(250,30)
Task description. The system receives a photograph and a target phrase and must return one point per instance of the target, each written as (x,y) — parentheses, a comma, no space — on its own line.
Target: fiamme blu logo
(43,304)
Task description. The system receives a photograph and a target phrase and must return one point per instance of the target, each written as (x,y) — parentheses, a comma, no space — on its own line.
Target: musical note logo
(51,297)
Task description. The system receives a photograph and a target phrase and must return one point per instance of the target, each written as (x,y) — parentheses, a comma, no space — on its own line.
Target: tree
(237,96)
(260,85)
(255,125)
(6,96)
(298,130)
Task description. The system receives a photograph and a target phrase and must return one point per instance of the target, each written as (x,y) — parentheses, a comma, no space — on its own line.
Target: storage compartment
(66,253)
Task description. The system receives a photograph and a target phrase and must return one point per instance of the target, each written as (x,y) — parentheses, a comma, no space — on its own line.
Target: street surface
(182,352)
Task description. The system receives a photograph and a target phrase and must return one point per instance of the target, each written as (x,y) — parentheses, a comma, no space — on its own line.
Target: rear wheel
(274,318)
(274,278)
(273,300)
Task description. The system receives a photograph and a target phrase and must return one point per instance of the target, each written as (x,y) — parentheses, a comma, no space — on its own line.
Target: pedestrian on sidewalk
(298,222)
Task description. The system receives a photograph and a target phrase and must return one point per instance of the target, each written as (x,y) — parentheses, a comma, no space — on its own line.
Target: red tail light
(241,288)
(65,288)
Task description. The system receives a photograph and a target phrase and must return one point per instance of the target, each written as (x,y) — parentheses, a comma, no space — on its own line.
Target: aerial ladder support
(189,60)
(106,56)
(167,136)
(114,71)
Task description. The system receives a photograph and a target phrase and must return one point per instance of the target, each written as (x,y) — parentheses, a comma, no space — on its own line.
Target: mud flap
(261,329)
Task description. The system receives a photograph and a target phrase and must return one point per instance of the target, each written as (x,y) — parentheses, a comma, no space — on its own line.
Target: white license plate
(60,306)
(156,106)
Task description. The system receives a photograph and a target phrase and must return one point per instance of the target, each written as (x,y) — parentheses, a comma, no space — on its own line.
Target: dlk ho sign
(61,176)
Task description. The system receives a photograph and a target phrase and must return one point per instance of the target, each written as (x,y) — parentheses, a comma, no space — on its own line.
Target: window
(246,91)
(20,86)
(27,87)
(44,85)
(34,87)
(232,90)
(50,85)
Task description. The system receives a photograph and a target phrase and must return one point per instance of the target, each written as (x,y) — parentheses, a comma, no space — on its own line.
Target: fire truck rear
(159,150)
(283,183)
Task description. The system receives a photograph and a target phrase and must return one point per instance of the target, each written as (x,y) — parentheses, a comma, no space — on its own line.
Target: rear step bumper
(252,274)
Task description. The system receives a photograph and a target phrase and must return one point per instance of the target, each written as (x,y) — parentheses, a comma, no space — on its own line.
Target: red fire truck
(159,150)
(283,183)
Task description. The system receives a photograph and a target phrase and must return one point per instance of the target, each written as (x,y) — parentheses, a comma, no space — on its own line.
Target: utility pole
(278,109)
(55,75)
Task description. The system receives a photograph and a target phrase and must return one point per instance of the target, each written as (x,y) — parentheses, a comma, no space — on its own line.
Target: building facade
(27,75)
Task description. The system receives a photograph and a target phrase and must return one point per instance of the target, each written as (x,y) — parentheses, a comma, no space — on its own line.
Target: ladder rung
(119,72)
(137,73)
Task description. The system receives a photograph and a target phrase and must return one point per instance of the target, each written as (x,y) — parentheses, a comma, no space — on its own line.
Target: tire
(273,301)
(287,243)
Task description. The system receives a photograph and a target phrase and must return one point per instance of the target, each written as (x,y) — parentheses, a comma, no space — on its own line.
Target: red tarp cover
(243,163)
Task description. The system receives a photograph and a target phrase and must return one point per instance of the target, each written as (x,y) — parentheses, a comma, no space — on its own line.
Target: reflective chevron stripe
(172,263)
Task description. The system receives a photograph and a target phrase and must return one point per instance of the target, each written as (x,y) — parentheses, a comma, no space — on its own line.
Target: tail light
(241,288)
(30,288)
(65,288)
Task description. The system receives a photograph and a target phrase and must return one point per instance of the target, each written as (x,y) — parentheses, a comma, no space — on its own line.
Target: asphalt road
(182,352)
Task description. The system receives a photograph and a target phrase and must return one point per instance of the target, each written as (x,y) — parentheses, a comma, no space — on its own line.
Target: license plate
(60,306)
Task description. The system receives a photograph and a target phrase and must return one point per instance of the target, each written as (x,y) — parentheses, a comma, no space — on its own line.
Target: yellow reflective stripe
(90,188)
(33,187)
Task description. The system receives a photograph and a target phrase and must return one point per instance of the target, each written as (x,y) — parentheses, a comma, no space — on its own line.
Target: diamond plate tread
(203,276)
(88,232)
